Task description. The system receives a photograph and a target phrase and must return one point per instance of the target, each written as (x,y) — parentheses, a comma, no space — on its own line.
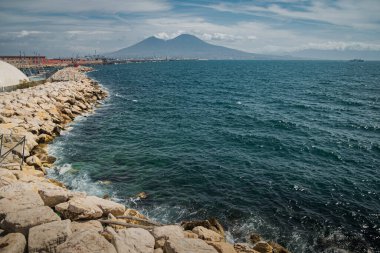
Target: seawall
(38,214)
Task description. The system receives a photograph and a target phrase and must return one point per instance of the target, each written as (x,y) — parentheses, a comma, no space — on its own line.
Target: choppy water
(290,150)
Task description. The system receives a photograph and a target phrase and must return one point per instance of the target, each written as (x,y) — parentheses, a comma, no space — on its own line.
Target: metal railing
(8,145)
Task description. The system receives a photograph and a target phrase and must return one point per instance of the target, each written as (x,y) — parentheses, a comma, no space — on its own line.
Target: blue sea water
(286,149)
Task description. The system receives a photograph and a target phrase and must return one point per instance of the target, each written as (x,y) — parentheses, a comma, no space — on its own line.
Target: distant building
(24,61)
(33,61)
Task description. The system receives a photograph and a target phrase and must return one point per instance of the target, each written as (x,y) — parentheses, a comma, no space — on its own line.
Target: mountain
(185,46)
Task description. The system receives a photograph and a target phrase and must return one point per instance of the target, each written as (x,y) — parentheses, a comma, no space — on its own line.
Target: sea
(286,149)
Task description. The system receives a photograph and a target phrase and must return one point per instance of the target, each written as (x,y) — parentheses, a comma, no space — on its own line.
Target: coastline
(41,214)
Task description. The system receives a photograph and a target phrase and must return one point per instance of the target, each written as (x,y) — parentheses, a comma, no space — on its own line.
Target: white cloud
(51,30)
(342,45)
(24,33)
(87,32)
(168,36)
(221,37)
(350,13)
(109,6)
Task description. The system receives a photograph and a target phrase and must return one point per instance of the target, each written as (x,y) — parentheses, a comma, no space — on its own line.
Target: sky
(336,29)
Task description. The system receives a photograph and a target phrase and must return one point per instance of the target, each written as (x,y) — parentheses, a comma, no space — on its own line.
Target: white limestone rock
(187,245)
(86,242)
(12,243)
(21,221)
(46,237)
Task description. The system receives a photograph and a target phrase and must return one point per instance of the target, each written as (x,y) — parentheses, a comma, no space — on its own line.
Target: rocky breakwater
(38,214)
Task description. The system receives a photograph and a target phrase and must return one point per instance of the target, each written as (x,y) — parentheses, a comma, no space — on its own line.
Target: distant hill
(185,46)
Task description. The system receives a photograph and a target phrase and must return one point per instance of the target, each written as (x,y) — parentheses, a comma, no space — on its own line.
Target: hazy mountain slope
(183,46)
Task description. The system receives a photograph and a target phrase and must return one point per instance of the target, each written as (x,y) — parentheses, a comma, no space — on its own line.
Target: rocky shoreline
(39,214)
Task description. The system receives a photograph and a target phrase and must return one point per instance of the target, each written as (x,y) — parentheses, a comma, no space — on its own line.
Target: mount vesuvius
(185,46)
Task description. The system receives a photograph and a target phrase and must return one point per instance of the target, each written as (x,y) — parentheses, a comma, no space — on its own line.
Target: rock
(114,226)
(158,250)
(168,232)
(142,195)
(277,248)
(132,240)
(254,238)
(6,180)
(19,201)
(93,225)
(86,242)
(107,206)
(29,170)
(12,243)
(263,247)
(44,138)
(160,243)
(7,173)
(190,234)
(187,245)
(46,237)
(21,221)
(222,247)
(56,182)
(134,213)
(15,189)
(79,208)
(243,248)
(53,196)
(207,234)
(211,224)
(7,113)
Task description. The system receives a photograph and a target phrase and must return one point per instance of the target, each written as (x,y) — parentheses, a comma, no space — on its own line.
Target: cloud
(69,6)
(28,33)
(58,28)
(342,45)
(351,13)
(87,32)
(221,37)
(168,36)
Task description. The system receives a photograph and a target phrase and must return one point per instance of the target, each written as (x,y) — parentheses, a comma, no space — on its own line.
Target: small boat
(356,60)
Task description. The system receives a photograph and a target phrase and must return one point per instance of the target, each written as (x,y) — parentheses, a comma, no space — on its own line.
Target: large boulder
(17,188)
(244,248)
(168,232)
(12,243)
(86,242)
(34,161)
(6,180)
(54,195)
(89,207)
(207,234)
(132,240)
(277,248)
(7,173)
(93,225)
(21,221)
(30,170)
(79,208)
(46,237)
(107,206)
(17,202)
(222,247)
(212,224)
(187,245)
(263,247)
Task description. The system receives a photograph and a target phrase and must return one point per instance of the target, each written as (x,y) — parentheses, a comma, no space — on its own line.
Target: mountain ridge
(185,46)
